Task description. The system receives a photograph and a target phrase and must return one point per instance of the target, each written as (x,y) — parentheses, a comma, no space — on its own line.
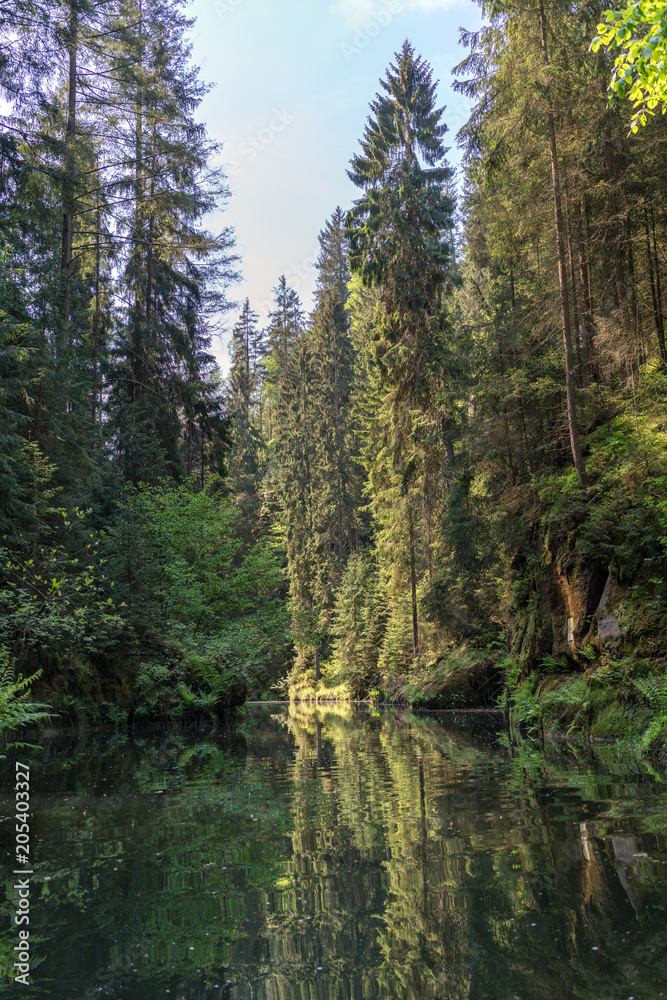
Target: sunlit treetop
(637,37)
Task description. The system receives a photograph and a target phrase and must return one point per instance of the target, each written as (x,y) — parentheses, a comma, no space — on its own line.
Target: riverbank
(613,697)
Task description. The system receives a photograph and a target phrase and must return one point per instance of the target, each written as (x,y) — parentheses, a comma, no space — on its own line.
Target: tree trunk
(573,284)
(506,426)
(575,308)
(589,325)
(339,472)
(68,182)
(658,286)
(139,372)
(96,312)
(620,293)
(562,277)
(591,374)
(307,460)
(634,304)
(445,424)
(657,311)
(38,427)
(413,580)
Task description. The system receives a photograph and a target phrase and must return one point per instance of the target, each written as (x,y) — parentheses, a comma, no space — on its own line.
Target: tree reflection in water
(336,854)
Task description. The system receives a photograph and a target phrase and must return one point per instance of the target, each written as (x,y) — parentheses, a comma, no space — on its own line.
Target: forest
(443,485)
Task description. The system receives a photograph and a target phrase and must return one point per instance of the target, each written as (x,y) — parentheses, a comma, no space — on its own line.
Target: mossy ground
(462,677)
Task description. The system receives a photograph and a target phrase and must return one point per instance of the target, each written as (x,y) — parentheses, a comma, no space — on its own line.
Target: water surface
(339,855)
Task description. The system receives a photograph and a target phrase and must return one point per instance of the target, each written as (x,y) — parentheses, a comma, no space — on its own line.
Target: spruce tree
(400,242)
(294,479)
(318,475)
(340,476)
(286,322)
(172,262)
(243,374)
(243,473)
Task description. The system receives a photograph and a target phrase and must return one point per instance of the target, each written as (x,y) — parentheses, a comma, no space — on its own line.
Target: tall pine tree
(400,242)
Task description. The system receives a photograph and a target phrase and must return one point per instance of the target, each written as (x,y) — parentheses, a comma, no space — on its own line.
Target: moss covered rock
(461,678)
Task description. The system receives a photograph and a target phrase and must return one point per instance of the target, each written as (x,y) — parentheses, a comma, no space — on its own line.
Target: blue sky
(293,82)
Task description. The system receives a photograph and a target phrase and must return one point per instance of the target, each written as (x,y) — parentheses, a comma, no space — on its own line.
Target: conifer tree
(339,472)
(243,374)
(541,132)
(400,242)
(294,477)
(358,623)
(52,152)
(242,396)
(172,261)
(333,268)
(286,322)
(18,341)
(320,477)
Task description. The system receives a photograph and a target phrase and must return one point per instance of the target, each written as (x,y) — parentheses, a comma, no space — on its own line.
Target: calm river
(315,854)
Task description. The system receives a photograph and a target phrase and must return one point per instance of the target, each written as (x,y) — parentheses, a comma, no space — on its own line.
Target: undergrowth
(17,711)
(614,698)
